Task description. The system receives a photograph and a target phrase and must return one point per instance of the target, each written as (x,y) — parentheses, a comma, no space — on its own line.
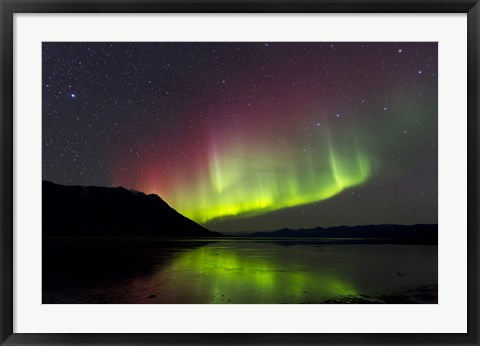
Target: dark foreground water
(237,271)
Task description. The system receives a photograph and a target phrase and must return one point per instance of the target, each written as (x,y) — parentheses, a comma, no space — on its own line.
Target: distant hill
(105,211)
(421,233)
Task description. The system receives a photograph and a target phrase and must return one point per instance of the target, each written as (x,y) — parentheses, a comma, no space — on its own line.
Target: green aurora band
(247,178)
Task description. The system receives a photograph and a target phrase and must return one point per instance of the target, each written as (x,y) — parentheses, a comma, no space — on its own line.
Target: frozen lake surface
(237,271)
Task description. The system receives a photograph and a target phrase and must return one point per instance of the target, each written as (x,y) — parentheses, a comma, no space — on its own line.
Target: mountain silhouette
(420,233)
(105,211)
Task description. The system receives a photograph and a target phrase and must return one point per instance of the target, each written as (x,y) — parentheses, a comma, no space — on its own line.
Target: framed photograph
(239,173)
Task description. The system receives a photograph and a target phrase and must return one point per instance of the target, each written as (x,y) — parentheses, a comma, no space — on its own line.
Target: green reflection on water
(233,274)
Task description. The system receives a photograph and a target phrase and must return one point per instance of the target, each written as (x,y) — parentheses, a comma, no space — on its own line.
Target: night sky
(249,136)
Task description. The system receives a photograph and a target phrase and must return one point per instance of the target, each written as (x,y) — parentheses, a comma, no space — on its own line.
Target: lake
(237,271)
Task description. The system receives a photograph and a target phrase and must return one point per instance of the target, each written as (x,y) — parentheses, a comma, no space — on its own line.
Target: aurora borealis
(240,179)
(249,136)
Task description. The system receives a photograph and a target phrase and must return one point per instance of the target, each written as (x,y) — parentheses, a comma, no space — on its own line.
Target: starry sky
(247,136)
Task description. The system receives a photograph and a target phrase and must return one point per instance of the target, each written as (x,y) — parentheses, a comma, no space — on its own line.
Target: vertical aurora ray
(249,176)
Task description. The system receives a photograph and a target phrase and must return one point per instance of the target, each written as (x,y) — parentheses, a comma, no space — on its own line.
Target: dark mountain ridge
(105,211)
(419,233)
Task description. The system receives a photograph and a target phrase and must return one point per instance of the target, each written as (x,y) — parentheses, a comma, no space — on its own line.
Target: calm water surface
(230,271)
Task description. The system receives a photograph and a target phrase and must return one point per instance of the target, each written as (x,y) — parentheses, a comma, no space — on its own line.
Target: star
(216,122)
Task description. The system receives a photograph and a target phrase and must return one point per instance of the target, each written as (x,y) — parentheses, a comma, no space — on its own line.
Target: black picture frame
(9,7)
